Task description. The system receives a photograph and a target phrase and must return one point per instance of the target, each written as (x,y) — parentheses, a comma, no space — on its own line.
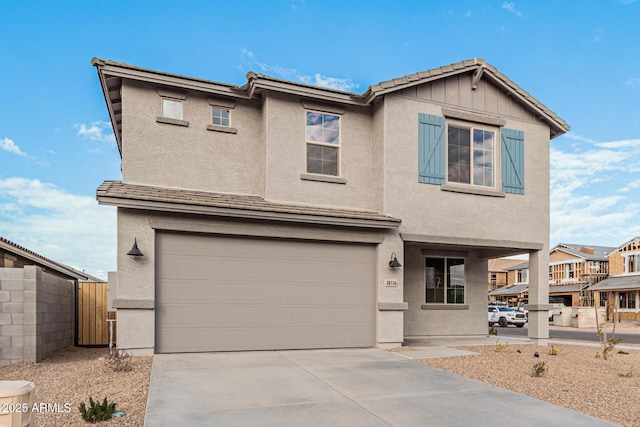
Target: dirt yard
(74,374)
(577,377)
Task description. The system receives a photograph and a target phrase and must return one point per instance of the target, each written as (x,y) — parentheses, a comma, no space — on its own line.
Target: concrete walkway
(346,387)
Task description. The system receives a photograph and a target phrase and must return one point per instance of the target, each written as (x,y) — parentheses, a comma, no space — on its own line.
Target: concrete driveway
(346,387)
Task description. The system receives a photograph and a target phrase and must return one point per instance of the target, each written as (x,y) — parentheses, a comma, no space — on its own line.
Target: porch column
(539,296)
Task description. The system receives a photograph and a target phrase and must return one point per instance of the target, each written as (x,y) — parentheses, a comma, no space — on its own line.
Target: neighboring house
(37,304)
(621,290)
(517,284)
(498,273)
(572,269)
(279,215)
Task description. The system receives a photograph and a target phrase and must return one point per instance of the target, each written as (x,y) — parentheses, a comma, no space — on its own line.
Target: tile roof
(134,192)
(455,68)
(21,251)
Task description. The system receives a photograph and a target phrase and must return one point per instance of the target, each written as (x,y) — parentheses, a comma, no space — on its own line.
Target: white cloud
(598,35)
(328,82)
(96,131)
(345,84)
(67,228)
(634,83)
(589,201)
(511,7)
(8,145)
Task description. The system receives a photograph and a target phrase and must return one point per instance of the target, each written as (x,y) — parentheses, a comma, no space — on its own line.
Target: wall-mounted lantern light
(135,252)
(394,261)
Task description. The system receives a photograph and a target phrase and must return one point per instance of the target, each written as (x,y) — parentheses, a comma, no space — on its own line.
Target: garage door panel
(229,293)
(265,293)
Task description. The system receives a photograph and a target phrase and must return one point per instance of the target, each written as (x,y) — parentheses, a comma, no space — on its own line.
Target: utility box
(16,400)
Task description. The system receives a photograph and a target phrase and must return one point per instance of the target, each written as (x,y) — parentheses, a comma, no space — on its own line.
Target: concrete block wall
(54,313)
(36,314)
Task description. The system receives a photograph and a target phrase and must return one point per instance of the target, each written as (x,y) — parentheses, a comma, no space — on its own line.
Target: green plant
(609,346)
(493,330)
(539,369)
(118,360)
(97,411)
(554,351)
(499,346)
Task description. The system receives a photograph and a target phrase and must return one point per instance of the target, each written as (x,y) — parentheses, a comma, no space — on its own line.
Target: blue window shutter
(512,161)
(431,149)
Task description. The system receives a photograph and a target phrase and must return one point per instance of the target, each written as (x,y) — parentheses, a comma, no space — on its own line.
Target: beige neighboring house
(621,290)
(499,273)
(280,215)
(572,270)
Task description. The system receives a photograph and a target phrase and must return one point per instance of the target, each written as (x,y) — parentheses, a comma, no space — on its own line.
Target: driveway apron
(344,387)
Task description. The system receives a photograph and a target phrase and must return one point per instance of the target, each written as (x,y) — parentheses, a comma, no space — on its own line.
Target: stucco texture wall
(427,209)
(190,157)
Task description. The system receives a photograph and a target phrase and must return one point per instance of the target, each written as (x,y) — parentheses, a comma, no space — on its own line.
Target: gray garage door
(218,293)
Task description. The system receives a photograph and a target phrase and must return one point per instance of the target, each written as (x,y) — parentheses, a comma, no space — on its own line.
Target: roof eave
(390,223)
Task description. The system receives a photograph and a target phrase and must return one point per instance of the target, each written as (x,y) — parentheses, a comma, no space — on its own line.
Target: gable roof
(587,252)
(502,264)
(111,74)
(37,259)
(481,69)
(625,244)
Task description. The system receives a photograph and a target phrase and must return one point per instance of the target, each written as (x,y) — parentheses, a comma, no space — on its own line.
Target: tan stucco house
(279,215)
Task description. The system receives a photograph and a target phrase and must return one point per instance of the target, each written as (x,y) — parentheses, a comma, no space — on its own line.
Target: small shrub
(539,369)
(118,360)
(499,346)
(609,346)
(554,351)
(493,330)
(97,411)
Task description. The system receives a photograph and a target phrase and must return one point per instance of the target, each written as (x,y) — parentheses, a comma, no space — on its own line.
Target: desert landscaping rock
(72,375)
(575,378)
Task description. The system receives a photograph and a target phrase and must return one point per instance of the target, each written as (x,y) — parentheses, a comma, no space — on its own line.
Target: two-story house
(279,215)
(572,270)
(621,290)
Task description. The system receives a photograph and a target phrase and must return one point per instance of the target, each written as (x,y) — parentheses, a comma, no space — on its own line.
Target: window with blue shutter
(512,161)
(431,149)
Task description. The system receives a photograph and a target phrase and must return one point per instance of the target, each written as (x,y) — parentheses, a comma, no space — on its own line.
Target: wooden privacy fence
(92,324)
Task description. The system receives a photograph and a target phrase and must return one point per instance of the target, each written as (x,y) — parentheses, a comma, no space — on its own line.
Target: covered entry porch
(445,285)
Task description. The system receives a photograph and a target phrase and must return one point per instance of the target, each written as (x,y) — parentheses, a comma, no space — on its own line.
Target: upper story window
(570,271)
(473,150)
(221,116)
(470,155)
(445,282)
(172,108)
(632,263)
(323,143)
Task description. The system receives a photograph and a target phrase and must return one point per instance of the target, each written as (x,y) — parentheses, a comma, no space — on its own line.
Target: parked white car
(505,316)
(551,312)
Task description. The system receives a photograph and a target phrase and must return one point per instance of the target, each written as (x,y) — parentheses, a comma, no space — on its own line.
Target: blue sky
(580,59)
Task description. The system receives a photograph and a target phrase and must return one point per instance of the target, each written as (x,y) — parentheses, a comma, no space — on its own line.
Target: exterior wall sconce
(135,252)
(394,261)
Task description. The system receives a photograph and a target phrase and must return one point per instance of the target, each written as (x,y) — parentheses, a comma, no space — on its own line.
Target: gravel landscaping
(74,374)
(575,377)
